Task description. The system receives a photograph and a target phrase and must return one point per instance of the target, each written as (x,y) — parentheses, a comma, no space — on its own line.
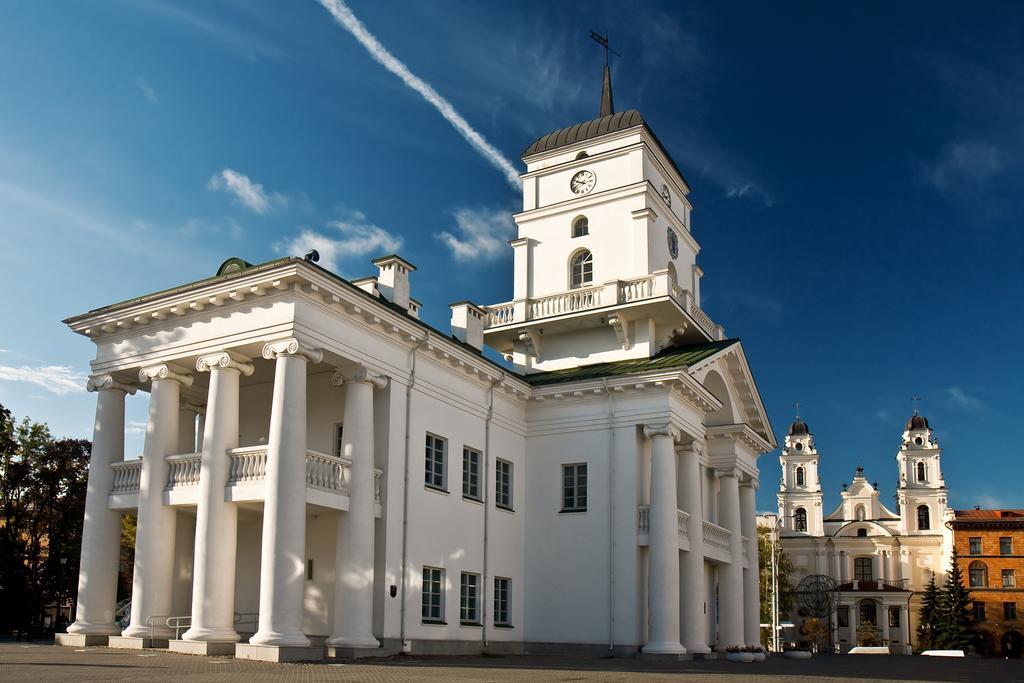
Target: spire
(607,109)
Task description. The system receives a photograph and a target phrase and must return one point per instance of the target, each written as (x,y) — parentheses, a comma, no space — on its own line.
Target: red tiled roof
(987,515)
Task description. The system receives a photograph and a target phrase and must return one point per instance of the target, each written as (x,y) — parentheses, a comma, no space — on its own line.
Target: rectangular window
(1010,611)
(433,602)
(436,450)
(1005,545)
(309,570)
(1008,579)
(470,473)
(979,611)
(339,446)
(502,604)
(862,569)
(503,484)
(975,543)
(844,617)
(469,599)
(894,617)
(574,488)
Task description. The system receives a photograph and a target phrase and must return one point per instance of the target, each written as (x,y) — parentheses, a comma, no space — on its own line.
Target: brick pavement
(46,662)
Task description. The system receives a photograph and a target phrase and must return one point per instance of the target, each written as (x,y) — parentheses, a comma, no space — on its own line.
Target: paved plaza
(46,662)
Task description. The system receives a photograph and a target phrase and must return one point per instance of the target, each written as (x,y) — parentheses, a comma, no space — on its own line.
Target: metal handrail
(246,618)
(178,624)
(152,622)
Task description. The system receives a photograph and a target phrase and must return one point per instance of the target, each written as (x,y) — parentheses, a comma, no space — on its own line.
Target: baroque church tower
(922,490)
(800,495)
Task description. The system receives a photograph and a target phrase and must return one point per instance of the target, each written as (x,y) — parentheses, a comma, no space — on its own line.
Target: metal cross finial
(797,406)
(603,42)
(917,401)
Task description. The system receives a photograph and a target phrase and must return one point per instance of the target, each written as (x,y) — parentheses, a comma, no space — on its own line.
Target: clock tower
(605,263)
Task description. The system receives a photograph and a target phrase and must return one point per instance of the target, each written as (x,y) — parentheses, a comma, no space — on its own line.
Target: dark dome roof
(799,428)
(585,131)
(917,422)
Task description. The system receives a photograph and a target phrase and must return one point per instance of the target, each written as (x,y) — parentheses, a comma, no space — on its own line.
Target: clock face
(665,195)
(673,243)
(582,182)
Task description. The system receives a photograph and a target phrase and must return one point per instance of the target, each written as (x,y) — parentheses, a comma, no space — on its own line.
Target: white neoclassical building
(324,471)
(880,560)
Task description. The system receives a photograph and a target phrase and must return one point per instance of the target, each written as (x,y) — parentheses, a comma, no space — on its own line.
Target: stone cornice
(164,371)
(105,382)
(292,347)
(359,375)
(224,360)
(743,433)
(679,380)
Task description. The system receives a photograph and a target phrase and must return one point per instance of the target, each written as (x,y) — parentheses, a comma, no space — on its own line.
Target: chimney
(393,281)
(468,323)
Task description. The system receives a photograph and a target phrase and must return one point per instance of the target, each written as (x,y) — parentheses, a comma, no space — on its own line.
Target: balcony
(327,480)
(874,586)
(643,527)
(650,288)
(716,543)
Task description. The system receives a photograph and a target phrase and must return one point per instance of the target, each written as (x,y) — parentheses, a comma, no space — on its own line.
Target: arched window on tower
(799,476)
(581,269)
(921,471)
(923,518)
(977,574)
(800,520)
(580,226)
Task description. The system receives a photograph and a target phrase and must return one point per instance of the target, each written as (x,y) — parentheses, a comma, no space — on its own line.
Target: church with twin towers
(326,475)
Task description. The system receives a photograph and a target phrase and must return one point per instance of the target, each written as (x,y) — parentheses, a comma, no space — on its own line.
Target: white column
(353,587)
(883,616)
(730,583)
(751,578)
(153,580)
(187,427)
(692,583)
(844,570)
(213,577)
(101,529)
(282,563)
(663,575)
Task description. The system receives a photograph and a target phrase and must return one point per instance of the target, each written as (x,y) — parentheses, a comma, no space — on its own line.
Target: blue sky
(856,171)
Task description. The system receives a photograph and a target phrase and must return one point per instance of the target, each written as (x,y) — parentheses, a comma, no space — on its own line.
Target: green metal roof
(668,359)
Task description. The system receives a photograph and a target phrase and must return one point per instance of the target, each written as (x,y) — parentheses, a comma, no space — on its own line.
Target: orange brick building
(990,546)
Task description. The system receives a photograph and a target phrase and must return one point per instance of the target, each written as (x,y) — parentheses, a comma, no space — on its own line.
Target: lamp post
(60,588)
(773,525)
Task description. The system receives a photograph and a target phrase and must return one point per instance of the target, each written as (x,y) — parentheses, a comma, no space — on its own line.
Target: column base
(132,643)
(345,652)
(367,642)
(84,628)
(666,647)
(278,653)
(80,639)
(698,648)
(271,639)
(222,635)
(208,648)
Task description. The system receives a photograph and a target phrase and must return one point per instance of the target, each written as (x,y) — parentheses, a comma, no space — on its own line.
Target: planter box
(797,654)
(759,656)
(743,657)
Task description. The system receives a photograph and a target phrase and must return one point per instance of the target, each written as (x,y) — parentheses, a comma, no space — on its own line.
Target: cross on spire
(607,108)
(797,406)
(917,401)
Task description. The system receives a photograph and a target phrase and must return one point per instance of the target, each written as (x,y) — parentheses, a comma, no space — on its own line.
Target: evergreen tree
(929,616)
(954,627)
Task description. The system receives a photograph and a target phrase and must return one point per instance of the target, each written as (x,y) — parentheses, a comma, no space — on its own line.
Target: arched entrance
(1012,644)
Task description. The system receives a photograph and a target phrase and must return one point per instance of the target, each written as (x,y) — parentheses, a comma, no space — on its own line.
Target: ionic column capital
(104,382)
(359,374)
(722,472)
(292,347)
(651,431)
(197,408)
(695,446)
(164,371)
(750,481)
(225,360)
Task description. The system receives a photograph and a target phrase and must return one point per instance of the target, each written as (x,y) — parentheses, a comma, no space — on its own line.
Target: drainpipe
(487,504)
(611,518)
(405,487)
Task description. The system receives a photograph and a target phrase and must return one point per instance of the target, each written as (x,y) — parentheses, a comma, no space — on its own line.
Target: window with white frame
(503,483)
(339,444)
(581,269)
(435,471)
(1006,545)
(975,545)
(469,598)
(470,473)
(574,487)
(1009,580)
(433,594)
(502,601)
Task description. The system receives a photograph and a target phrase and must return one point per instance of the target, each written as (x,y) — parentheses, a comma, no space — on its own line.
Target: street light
(774,521)
(60,588)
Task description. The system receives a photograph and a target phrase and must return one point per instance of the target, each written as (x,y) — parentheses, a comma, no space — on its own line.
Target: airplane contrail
(344,16)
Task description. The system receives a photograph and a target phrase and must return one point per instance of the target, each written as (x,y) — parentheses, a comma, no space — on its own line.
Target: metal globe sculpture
(816,596)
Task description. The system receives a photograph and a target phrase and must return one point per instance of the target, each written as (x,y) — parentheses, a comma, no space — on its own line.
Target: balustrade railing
(328,472)
(183,470)
(566,302)
(681,518)
(247,465)
(501,314)
(636,290)
(127,476)
(716,536)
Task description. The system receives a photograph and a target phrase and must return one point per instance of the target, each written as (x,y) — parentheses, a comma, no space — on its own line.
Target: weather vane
(917,401)
(603,42)
(797,406)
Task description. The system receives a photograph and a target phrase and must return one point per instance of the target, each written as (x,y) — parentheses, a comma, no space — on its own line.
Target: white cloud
(346,238)
(961,399)
(148,93)
(135,428)
(972,163)
(751,191)
(57,379)
(249,193)
(483,234)
(344,16)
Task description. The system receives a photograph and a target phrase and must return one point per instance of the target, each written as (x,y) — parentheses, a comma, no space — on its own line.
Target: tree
(954,626)
(929,616)
(815,632)
(868,635)
(784,570)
